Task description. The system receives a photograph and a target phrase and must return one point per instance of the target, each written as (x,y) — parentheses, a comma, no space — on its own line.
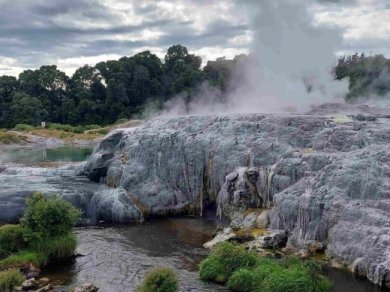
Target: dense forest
(124,88)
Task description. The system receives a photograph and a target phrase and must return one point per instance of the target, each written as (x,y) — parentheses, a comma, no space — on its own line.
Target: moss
(159,280)
(10,279)
(11,239)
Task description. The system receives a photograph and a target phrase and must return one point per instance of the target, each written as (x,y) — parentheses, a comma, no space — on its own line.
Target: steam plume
(290,67)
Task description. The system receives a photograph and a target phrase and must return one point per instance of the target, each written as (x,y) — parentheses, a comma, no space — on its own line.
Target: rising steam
(289,69)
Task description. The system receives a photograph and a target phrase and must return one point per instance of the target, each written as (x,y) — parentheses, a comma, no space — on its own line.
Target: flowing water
(115,258)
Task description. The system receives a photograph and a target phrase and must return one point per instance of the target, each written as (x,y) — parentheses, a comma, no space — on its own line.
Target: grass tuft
(10,279)
(159,280)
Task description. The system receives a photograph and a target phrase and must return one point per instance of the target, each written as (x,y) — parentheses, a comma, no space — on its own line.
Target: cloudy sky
(71,33)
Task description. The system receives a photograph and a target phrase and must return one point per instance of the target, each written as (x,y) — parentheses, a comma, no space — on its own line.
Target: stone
(29,284)
(223,236)
(276,239)
(44,280)
(262,220)
(87,287)
(45,288)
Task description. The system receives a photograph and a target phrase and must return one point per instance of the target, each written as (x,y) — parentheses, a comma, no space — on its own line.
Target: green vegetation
(23,128)
(159,280)
(11,239)
(45,233)
(368,76)
(9,279)
(23,259)
(224,260)
(243,271)
(10,138)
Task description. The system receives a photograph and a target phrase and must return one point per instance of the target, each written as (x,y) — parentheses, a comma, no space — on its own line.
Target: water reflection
(35,157)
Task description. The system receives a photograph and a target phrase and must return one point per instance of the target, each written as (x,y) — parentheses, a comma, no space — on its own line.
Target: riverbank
(58,136)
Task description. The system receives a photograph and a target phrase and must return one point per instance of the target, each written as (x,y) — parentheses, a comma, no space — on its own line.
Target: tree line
(124,88)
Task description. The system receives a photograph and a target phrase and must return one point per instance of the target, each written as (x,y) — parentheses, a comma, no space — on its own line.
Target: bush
(241,281)
(10,138)
(159,280)
(11,239)
(23,259)
(102,131)
(10,279)
(23,127)
(224,260)
(91,127)
(45,218)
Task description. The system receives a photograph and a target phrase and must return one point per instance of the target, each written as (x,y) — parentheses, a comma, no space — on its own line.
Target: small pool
(34,157)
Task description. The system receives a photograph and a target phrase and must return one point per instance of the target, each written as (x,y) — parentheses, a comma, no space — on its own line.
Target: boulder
(87,287)
(262,220)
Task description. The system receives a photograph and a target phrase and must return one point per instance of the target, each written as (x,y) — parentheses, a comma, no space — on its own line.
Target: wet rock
(262,220)
(45,288)
(44,280)
(276,239)
(87,287)
(222,236)
(30,284)
(314,246)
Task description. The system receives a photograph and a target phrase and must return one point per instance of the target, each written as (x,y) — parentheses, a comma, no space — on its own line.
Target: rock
(225,235)
(18,288)
(87,287)
(313,246)
(44,280)
(29,284)
(262,220)
(45,288)
(276,239)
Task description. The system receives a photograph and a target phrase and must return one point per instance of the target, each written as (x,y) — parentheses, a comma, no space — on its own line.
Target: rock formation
(326,178)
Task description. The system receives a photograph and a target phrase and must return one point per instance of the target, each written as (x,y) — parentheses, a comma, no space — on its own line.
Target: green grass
(56,248)
(224,260)
(159,280)
(241,281)
(11,239)
(23,128)
(10,279)
(23,259)
(243,271)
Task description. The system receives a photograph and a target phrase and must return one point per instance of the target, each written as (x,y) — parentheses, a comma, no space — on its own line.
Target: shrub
(159,280)
(10,138)
(9,279)
(101,131)
(224,260)
(23,259)
(47,217)
(11,239)
(241,281)
(23,127)
(91,127)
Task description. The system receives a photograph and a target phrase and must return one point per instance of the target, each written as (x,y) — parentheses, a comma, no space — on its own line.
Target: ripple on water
(116,258)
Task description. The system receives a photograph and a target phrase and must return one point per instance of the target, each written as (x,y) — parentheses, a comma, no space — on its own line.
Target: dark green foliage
(368,76)
(241,281)
(224,260)
(47,218)
(11,239)
(109,91)
(159,280)
(10,279)
(23,127)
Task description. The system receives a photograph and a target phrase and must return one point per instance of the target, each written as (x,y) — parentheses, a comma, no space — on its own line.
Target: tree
(27,109)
